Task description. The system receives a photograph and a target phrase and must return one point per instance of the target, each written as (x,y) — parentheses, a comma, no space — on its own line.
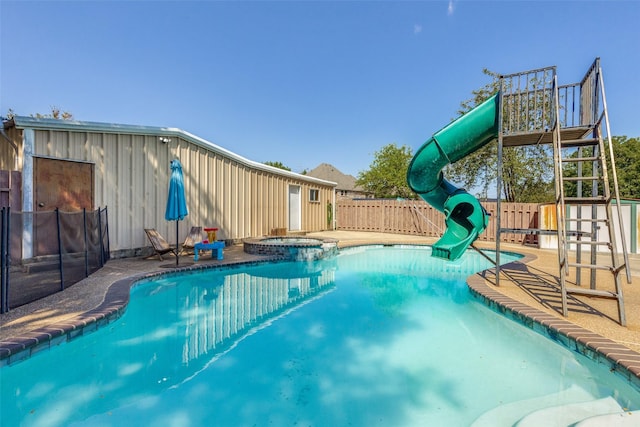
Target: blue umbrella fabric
(176,200)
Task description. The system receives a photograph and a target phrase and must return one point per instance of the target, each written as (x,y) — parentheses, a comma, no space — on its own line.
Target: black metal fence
(42,253)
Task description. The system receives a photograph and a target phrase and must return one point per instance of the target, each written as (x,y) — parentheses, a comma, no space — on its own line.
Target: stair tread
(566,415)
(509,413)
(570,219)
(586,198)
(582,178)
(592,292)
(580,159)
(624,419)
(600,200)
(579,142)
(593,266)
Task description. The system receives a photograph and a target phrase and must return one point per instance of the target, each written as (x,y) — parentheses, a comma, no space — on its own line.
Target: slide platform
(465,218)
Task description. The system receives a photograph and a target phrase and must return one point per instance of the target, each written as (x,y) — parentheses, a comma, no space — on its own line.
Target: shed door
(62,184)
(294,207)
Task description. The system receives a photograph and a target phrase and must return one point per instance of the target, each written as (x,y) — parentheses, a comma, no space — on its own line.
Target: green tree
(387,175)
(627,156)
(278,165)
(527,171)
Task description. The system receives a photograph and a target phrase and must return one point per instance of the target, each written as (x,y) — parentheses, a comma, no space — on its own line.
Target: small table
(213,247)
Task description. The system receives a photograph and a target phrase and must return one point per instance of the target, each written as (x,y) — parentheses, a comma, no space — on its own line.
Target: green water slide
(465,218)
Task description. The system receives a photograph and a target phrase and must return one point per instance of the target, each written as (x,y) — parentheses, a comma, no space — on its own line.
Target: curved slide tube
(465,218)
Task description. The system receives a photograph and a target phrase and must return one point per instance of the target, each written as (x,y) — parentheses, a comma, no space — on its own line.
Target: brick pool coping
(115,302)
(620,359)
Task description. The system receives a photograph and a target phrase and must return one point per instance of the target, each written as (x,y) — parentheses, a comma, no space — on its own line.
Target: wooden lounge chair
(159,244)
(195,236)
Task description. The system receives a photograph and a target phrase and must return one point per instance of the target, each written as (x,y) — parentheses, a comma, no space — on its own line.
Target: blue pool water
(377,336)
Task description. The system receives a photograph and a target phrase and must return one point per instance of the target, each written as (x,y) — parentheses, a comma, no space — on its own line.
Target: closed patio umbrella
(176,201)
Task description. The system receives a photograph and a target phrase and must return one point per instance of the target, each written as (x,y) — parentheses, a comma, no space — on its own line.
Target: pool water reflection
(375,336)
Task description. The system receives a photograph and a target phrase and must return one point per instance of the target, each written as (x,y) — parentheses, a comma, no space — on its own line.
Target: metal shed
(72,165)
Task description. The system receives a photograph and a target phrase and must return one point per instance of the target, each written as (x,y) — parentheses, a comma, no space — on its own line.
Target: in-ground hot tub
(296,248)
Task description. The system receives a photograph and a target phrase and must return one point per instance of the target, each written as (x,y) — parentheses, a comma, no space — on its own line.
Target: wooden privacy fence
(419,218)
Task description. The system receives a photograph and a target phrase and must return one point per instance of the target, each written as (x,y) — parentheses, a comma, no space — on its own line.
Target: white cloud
(417,29)
(450,8)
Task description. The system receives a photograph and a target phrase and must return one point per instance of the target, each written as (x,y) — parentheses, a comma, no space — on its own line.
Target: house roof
(329,172)
(24,122)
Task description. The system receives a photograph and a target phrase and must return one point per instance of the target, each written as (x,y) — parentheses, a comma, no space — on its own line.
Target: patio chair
(195,236)
(160,245)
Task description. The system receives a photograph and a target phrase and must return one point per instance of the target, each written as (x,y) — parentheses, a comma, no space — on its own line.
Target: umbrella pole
(177,248)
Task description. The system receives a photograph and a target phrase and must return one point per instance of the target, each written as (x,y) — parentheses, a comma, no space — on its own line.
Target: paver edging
(113,306)
(622,360)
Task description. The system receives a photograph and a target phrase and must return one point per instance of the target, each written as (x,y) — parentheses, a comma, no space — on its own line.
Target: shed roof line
(25,122)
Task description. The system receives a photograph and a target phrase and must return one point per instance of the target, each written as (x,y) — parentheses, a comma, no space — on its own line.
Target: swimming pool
(383,336)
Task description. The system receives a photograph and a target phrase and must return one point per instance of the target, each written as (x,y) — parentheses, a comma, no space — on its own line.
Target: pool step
(573,407)
(624,419)
(509,414)
(569,414)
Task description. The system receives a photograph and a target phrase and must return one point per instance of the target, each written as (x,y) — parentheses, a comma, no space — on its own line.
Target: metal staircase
(574,120)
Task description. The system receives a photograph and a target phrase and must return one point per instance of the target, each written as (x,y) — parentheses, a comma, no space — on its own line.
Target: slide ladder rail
(572,119)
(589,209)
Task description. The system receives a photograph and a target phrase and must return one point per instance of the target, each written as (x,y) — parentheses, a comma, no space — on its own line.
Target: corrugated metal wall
(10,149)
(132,178)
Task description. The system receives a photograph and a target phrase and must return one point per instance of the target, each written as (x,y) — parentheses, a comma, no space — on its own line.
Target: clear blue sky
(303,82)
